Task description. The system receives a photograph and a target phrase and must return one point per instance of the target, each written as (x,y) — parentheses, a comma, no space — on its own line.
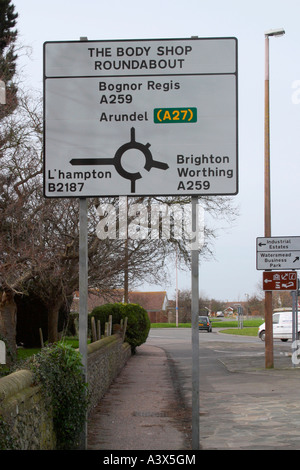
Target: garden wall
(23,408)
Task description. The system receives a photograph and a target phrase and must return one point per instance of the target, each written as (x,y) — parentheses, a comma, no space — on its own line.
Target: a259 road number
(193,185)
(116,99)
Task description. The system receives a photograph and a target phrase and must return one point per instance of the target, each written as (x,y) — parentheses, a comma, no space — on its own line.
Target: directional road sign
(280,280)
(140,117)
(278,253)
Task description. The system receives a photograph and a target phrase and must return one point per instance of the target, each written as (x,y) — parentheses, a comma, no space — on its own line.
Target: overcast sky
(232,275)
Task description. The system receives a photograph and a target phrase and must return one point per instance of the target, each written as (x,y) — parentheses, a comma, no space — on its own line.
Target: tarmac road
(243,406)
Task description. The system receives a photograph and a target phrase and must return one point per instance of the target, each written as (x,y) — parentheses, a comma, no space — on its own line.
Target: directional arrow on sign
(280,280)
(276,253)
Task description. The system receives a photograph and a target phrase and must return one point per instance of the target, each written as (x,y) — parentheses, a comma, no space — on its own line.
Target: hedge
(138,322)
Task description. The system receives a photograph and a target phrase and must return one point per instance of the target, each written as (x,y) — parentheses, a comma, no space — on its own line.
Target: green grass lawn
(250,327)
(234,323)
(170,325)
(24,353)
(247,331)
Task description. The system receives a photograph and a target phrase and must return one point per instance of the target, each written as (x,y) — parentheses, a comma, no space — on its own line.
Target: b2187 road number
(65,187)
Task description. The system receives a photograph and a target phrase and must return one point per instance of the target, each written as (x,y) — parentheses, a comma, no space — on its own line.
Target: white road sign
(277,253)
(140,117)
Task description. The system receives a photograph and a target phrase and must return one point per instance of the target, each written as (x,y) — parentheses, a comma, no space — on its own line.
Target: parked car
(282,325)
(205,324)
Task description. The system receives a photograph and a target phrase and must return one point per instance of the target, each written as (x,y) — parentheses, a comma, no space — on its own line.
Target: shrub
(138,322)
(6,440)
(103,312)
(138,325)
(59,370)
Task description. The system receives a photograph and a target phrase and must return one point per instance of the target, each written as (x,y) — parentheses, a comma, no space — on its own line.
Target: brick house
(155,303)
(95,298)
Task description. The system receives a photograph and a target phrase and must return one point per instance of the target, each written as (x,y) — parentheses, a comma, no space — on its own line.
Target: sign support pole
(296,308)
(195,330)
(83,297)
(83,294)
(269,360)
(294,323)
(295,320)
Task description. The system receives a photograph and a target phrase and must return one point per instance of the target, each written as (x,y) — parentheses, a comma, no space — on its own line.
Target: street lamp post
(268,294)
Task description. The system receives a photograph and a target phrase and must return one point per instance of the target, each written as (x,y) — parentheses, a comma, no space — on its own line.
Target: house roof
(96,298)
(150,301)
(233,305)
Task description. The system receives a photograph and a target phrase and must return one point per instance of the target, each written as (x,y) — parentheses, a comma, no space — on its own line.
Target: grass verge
(247,331)
(170,325)
(250,327)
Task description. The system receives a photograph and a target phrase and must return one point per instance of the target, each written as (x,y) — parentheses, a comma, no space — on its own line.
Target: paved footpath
(140,411)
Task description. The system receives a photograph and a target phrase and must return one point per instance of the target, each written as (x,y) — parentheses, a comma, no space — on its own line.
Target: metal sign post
(2,92)
(295,322)
(240,311)
(195,332)
(2,352)
(83,296)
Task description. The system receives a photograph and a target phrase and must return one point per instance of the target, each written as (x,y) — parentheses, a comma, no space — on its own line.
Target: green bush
(138,325)
(138,322)
(103,312)
(59,370)
(6,440)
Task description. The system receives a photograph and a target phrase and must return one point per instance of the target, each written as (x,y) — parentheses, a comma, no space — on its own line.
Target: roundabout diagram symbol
(116,161)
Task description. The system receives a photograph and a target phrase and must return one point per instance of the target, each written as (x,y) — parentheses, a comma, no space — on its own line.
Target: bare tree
(39,237)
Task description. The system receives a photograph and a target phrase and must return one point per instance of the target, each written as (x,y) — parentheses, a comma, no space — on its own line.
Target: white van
(282,325)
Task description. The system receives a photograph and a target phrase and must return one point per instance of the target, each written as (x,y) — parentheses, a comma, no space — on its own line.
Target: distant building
(97,298)
(228,311)
(155,303)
